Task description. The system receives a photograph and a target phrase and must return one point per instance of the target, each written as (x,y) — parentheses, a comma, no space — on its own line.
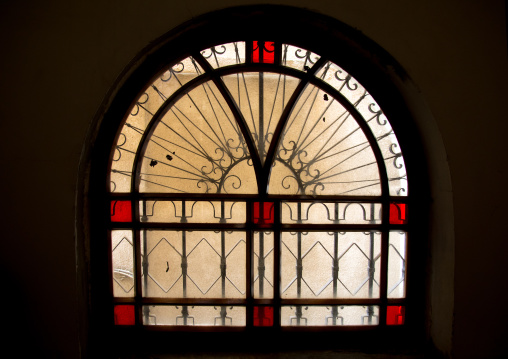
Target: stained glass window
(257,184)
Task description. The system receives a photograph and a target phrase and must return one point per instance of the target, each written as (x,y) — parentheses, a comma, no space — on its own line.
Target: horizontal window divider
(252,197)
(307,227)
(249,227)
(331,301)
(326,328)
(124,300)
(191,226)
(194,301)
(193,196)
(396,301)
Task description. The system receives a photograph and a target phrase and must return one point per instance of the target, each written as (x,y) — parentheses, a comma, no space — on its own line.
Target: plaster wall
(59,59)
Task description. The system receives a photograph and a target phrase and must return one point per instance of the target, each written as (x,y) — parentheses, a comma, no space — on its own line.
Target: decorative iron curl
(398,155)
(316,185)
(200,183)
(306,56)
(266,49)
(135,109)
(236,182)
(118,146)
(285,149)
(377,113)
(288,186)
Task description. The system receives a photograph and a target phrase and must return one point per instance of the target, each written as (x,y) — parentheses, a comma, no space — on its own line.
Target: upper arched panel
(192,129)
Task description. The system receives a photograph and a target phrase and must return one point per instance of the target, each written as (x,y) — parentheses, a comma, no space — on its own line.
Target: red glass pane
(395,315)
(263,316)
(124,315)
(398,213)
(121,211)
(263,214)
(267,51)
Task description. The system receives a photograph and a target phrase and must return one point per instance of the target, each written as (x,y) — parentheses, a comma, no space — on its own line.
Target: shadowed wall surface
(60,59)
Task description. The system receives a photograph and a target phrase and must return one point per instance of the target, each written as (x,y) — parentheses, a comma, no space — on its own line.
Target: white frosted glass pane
(263,265)
(298,58)
(351,254)
(397,265)
(232,53)
(198,148)
(323,151)
(192,211)
(189,264)
(345,315)
(250,96)
(329,213)
(194,315)
(123,263)
(147,104)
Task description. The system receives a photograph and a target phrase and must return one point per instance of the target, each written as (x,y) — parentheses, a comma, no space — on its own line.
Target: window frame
(373,73)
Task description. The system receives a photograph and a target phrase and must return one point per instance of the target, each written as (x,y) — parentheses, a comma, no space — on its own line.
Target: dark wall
(60,59)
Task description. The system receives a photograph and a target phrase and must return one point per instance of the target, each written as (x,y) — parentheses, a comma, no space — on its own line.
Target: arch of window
(257,184)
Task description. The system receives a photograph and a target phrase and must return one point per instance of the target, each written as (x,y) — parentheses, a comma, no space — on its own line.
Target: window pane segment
(358,96)
(323,150)
(121,211)
(232,53)
(263,316)
(397,264)
(346,315)
(263,51)
(192,211)
(194,264)
(262,265)
(261,97)
(298,58)
(140,116)
(395,315)
(330,264)
(194,315)
(197,147)
(123,263)
(124,315)
(398,213)
(329,213)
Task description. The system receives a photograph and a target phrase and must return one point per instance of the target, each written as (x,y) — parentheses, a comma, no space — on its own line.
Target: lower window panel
(235,316)
(171,315)
(346,315)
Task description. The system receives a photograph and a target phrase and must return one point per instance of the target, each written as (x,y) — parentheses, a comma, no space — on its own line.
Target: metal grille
(259,175)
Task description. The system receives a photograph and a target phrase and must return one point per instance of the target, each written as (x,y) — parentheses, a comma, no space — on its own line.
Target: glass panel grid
(332,315)
(198,148)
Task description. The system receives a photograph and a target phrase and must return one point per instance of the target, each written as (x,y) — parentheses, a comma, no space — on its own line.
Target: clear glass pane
(328,213)
(323,151)
(194,264)
(346,315)
(198,148)
(298,58)
(192,211)
(140,116)
(330,264)
(232,53)
(261,97)
(263,265)
(358,96)
(194,315)
(397,264)
(123,263)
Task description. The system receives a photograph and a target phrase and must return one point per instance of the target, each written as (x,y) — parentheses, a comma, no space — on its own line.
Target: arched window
(254,181)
